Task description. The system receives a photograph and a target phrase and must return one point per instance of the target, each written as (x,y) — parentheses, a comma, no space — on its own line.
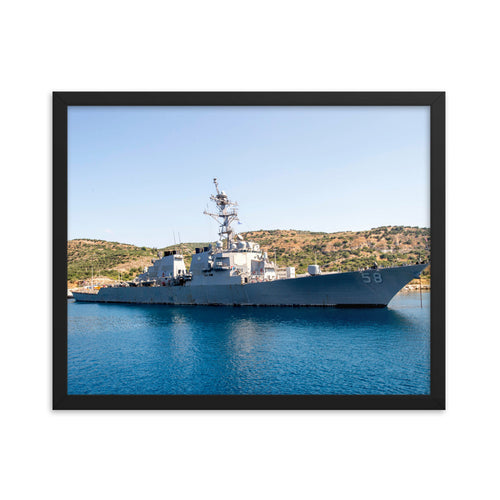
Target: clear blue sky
(139,174)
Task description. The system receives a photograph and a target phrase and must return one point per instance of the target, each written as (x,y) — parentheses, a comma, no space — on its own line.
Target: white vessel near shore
(238,273)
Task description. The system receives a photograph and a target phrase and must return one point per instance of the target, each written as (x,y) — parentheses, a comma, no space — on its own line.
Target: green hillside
(113,260)
(347,251)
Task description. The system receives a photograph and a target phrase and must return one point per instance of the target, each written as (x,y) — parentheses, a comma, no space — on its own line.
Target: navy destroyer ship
(235,272)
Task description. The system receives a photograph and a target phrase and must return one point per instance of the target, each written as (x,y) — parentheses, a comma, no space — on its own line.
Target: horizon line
(254,231)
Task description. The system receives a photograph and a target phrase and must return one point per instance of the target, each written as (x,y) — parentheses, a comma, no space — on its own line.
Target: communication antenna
(227,214)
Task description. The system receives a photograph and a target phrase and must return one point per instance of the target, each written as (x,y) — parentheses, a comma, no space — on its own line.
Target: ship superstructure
(238,272)
(231,261)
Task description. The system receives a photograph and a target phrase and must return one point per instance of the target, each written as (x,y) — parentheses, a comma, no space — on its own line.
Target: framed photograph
(249,250)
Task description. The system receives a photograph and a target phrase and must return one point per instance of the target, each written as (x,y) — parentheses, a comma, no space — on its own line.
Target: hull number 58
(371,278)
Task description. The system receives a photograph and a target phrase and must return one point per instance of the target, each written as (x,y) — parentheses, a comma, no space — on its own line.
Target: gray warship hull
(368,288)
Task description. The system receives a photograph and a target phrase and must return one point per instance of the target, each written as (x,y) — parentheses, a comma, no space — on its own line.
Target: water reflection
(154,349)
(178,316)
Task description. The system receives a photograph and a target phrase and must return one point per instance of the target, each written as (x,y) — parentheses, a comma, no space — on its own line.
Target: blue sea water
(155,349)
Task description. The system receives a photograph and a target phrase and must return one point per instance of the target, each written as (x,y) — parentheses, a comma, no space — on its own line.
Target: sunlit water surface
(155,349)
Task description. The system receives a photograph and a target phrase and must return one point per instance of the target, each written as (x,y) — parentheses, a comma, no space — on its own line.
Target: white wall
(261,45)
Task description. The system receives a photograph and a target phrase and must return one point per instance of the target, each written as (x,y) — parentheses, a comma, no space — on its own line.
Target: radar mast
(227,214)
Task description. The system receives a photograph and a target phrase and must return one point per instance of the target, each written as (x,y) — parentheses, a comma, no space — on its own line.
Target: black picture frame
(61,101)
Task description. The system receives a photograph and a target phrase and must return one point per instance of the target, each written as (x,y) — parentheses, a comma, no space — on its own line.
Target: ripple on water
(140,349)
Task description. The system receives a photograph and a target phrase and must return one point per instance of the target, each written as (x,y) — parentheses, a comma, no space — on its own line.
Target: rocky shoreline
(413,288)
